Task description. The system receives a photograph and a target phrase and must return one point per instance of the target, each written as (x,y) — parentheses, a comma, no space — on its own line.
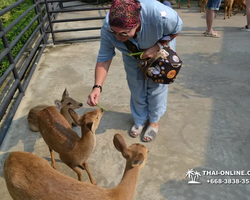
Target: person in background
(212,7)
(247,27)
(149,25)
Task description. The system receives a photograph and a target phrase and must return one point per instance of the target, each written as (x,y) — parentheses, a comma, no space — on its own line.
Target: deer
(203,5)
(63,105)
(57,133)
(240,4)
(29,176)
(228,8)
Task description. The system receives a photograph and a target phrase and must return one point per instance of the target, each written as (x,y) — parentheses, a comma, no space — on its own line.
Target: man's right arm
(104,58)
(101,71)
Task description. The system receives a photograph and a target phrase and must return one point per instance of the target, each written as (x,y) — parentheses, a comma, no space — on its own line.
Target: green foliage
(7,19)
(4,4)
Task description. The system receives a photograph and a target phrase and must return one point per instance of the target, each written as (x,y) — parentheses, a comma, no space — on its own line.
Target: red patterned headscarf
(124,14)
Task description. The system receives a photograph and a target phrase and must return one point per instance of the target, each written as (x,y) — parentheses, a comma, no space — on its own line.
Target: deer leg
(236,11)
(78,172)
(233,7)
(229,11)
(53,162)
(225,12)
(244,6)
(189,3)
(86,167)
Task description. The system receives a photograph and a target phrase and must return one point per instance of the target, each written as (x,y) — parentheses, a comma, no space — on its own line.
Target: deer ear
(137,160)
(120,145)
(74,116)
(90,126)
(58,104)
(65,93)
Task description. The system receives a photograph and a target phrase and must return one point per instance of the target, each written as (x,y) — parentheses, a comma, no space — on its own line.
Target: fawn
(73,150)
(30,177)
(63,105)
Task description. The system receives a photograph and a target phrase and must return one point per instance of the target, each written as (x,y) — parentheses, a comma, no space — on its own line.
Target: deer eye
(69,103)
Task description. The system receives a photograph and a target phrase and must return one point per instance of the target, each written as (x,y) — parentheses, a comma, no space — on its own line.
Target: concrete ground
(206,126)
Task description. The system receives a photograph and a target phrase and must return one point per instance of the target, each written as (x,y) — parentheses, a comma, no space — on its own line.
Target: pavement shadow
(49,160)
(20,131)
(3,157)
(110,120)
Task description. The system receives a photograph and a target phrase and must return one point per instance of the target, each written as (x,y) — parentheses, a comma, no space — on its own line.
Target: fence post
(40,20)
(50,23)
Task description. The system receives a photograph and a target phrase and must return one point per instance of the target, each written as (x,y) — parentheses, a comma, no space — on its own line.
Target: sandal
(207,32)
(245,28)
(135,131)
(150,133)
(213,34)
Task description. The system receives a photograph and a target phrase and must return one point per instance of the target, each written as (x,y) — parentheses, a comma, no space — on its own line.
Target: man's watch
(97,86)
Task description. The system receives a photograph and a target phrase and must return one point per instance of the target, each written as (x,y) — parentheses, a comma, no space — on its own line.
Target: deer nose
(80,104)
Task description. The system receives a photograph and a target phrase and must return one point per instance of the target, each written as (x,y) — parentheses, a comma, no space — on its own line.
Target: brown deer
(30,177)
(228,8)
(240,5)
(63,105)
(203,5)
(73,150)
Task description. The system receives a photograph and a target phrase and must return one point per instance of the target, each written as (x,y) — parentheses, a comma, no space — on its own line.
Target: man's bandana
(124,14)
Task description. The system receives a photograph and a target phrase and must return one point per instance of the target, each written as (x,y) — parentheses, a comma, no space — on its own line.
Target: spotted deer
(30,177)
(63,105)
(57,133)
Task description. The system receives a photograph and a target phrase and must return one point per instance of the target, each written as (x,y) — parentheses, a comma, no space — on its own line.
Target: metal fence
(15,79)
(78,7)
